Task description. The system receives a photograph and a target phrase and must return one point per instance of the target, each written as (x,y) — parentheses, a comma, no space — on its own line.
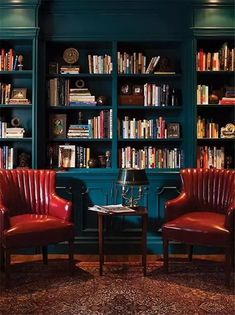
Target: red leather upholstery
(203,214)
(31,214)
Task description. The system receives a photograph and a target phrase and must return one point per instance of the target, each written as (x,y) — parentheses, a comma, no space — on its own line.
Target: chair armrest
(230,218)
(60,208)
(176,207)
(4,219)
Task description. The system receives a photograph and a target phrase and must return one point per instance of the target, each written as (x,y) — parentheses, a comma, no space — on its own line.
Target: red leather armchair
(203,214)
(31,214)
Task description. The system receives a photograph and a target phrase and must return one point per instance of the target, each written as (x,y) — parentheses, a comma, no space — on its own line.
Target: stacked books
(69,69)
(14,132)
(80,131)
(19,101)
(229,98)
(81,96)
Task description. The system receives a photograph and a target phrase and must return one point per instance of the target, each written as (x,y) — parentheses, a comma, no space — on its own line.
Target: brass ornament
(71,55)
(228,131)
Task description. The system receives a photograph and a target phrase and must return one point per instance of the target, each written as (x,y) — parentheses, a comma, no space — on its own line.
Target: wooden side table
(141,212)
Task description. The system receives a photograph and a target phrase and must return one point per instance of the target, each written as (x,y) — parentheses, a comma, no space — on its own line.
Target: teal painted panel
(17,17)
(214,17)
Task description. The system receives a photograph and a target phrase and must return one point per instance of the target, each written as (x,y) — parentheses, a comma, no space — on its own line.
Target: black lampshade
(132,177)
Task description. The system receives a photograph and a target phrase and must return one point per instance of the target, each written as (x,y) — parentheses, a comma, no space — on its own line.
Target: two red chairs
(203,213)
(32,214)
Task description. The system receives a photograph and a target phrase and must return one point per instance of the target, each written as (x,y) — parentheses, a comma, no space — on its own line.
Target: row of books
(210,156)
(202,94)
(8,156)
(8,94)
(144,129)
(98,127)
(150,157)
(78,156)
(8,60)
(99,64)
(223,59)
(206,128)
(160,95)
(135,63)
(10,132)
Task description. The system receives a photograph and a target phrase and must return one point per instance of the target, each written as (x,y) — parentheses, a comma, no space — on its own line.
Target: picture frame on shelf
(18,93)
(58,126)
(137,89)
(173,130)
(66,157)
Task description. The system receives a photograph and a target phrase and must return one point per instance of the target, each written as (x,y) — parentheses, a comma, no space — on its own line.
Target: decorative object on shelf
(53,68)
(102,161)
(165,65)
(101,100)
(228,131)
(19,93)
(67,156)
(71,55)
(130,179)
(126,89)
(20,60)
(18,96)
(173,130)
(213,99)
(58,125)
(93,163)
(229,161)
(24,160)
(137,89)
(108,159)
(79,83)
(15,122)
(131,100)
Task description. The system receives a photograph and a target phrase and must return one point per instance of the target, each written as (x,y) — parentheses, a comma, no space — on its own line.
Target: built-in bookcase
(17,101)
(137,118)
(215,98)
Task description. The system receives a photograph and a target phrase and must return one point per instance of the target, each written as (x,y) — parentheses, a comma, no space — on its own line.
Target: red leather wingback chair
(203,213)
(31,214)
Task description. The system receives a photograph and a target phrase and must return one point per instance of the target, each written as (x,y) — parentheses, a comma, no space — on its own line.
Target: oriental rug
(190,288)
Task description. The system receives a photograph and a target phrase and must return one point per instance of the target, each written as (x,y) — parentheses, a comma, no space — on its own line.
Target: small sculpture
(24,159)
(108,159)
(20,60)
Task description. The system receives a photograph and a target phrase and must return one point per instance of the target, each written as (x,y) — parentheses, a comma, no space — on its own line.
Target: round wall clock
(71,55)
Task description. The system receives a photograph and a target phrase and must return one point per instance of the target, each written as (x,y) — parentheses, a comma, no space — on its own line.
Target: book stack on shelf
(98,64)
(229,98)
(159,95)
(211,156)
(69,69)
(80,131)
(81,96)
(7,157)
(14,132)
(206,128)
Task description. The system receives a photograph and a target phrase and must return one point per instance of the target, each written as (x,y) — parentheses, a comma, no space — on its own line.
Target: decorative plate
(71,55)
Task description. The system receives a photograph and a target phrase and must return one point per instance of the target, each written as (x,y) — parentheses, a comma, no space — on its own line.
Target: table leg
(101,242)
(144,240)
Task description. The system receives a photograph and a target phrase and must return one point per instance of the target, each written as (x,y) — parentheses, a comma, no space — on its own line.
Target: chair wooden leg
(2,259)
(190,252)
(7,267)
(44,255)
(71,257)
(165,254)
(227,266)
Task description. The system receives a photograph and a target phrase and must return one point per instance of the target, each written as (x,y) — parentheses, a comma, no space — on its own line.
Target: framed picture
(19,93)
(57,126)
(137,90)
(66,156)
(173,130)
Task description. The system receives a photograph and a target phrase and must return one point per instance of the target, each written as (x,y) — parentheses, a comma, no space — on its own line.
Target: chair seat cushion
(36,230)
(202,228)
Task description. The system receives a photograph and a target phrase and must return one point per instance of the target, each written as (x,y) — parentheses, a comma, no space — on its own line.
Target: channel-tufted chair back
(209,189)
(26,191)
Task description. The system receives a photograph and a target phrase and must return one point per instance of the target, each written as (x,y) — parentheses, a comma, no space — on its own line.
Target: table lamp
(129,179)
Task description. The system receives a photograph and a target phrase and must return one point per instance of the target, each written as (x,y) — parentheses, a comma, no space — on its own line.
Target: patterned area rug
(189,288)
